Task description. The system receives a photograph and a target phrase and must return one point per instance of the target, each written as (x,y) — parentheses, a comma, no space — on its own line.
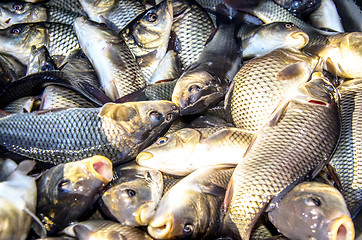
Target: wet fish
(192,27)
(117,131)
(350,14)
(23,105)
(188,149)
(326,17)
(22,12)
(160,91)
(170,67)
(257,90)
(300,8)
(116,67)
(318,210)
(298,139)
(118,13)
(102,229)
(67,191)
(268,37)
(133,195)
(10,70)
(69,5)
(17,201)
(147,36)
(346,159)
(191,208)
(18,39)
(205,82)
(40,60)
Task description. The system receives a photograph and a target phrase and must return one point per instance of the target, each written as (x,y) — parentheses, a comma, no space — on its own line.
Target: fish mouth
(160,229)
(143,156)
(342,229)
(303,36)
(144,214)
(176,101)
(101,167)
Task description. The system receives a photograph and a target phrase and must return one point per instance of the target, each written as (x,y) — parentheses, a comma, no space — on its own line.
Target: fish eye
(155,116)
(18,6)
(289,25)
(162,140)
(188,229)
(313,202)
(16,30)
(194,89)
(151,17)
(62,185)
(131,193)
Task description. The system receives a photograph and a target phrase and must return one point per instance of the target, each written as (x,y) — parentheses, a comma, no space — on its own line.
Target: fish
(133,194)
(103,229)
(209,120)
(318,210)
(341,55)
(115,64)
(23,12)
(326,17)
(188,149)
(17,200)
(268,37)
(67,191)
(10,70)
(170,67)
(350,13)
(40,60)
(192,27)
(258,89)
(346,159)
(160,91)
(191,208)
(295,143)
(116,131)
(117,13)
(18,39)
(147,36)
(205,82)
(300,8)
(23,105)
(69,5)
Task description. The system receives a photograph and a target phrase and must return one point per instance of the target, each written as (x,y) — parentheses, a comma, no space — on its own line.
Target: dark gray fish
(69,5)
(300,8)
(326,17)
(67,191)
(10,70)
(107,230)
(133,194)
(347,159)
(350,13)
(297,141)
(40,60)
(117,131)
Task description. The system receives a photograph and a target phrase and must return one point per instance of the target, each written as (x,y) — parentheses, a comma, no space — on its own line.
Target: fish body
(160,91)
(133,195)
(318,210)
(69,5)
(300,8)
(205,82)
(326,16)
(147,36)
(116,131)
(10,70)
(116,66)
(18,39)
(300,137)
(347,157)
(17,198)
(169,68)
(40,60)
(23,105)
(350,14)
(192,149)
(105,229)
(191,208)
(258,89)
(67,191)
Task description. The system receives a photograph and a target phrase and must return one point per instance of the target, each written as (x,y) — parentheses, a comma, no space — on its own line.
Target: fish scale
(62,39)
(192,30)
(257,89)
(347,158)
(70,5)
(302,140)
(61,15)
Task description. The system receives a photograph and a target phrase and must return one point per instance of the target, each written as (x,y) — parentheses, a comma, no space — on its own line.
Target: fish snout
(101,167)
(160,228)
(143,156)
(342,229)
(145,213)
(303,37)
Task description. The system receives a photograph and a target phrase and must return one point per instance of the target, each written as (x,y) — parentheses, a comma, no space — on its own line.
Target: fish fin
(147,60)
(278,112)
(334,175)
(43,231)
(117,112)
(82,232)
(213,189)
(174,43)
(99,95)
(227,103)
(212,35)
(26,166)
(228,196)
(3,113)
(292,71)
(185,135)
(138,95)
(331,67)
(109,24)
(115,57)
(58,59)
(216,137)
(165,80)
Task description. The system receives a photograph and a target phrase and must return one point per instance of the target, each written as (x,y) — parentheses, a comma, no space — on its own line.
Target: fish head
(18,39)
(180,8)
(152,29)
(170,152)
(291,35)
(94,8)
(21,12)
(67,190)
(196,91)
(179,216)
(318,210)
(133,197)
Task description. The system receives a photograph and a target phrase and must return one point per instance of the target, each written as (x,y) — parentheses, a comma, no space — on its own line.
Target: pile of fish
(180,119)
